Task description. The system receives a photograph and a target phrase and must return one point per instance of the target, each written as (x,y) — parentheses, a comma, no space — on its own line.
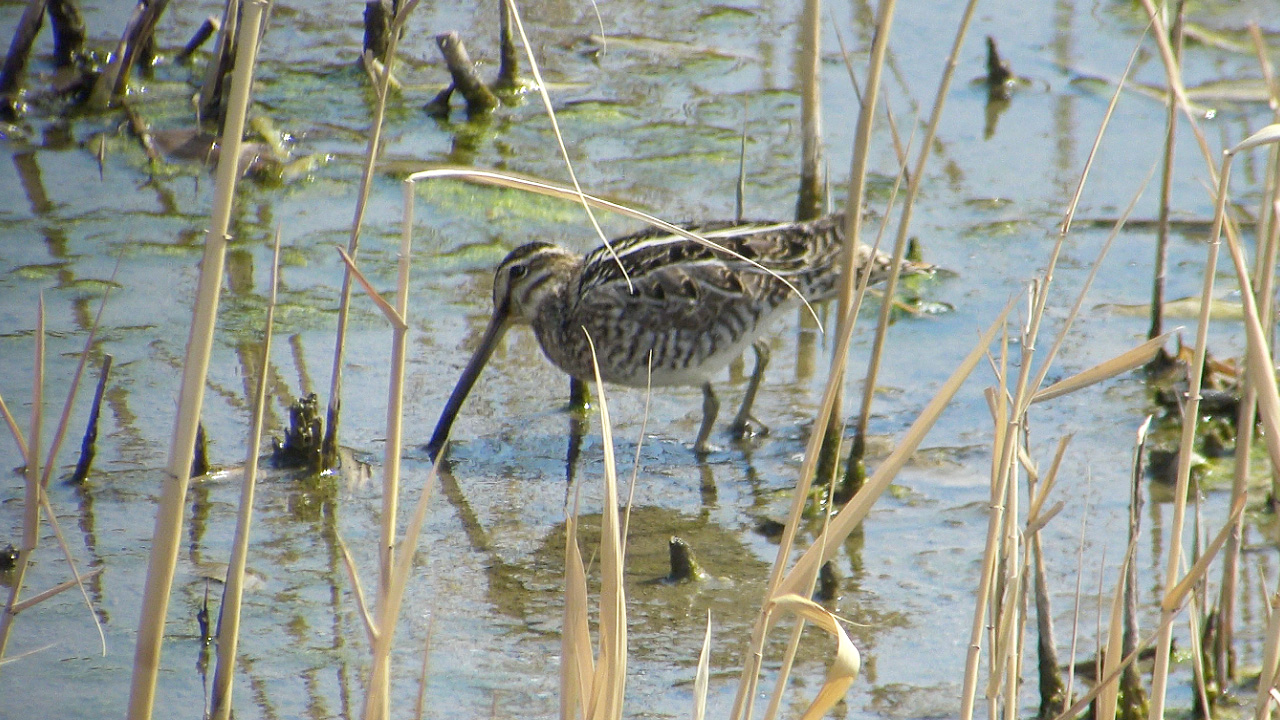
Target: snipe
(687,312)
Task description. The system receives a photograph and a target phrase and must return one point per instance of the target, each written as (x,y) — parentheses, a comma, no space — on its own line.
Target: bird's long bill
(498,325)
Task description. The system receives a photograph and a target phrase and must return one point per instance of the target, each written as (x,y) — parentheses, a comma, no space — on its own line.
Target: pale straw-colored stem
(31,485)
(904,222)
(233,591)
(333,415)
(1190,421)
(853,206)
(167,536)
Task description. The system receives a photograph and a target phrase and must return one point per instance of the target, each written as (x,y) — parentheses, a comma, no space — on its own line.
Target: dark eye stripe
(529,288)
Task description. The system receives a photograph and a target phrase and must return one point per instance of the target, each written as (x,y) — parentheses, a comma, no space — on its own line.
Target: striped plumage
(682,310)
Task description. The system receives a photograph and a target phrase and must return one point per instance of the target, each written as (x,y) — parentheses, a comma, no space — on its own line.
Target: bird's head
(527,277)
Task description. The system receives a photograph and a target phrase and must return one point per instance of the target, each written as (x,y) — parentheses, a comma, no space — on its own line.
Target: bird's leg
(710,408)
(579,402)
(579,396)
(740,427)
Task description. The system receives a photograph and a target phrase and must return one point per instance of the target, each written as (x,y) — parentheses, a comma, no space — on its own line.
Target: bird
(662,309)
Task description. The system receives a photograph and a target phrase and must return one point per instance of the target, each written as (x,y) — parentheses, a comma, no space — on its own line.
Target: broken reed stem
(167,535)
(480,99)
(199,38)
(68,32)
(88,444)
(914,181)
(509,65)
(228,627)
(329,451)
(223,50)
(14,70)
(378,17)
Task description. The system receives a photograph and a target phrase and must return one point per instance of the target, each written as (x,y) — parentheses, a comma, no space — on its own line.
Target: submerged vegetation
(615,590)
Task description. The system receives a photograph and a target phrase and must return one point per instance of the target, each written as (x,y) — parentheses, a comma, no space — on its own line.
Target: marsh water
(652,99)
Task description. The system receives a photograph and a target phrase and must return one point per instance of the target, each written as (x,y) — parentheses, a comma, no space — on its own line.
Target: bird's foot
(748,427)
(703,448)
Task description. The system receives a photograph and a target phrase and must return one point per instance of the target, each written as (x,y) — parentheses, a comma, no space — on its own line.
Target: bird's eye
(519,271)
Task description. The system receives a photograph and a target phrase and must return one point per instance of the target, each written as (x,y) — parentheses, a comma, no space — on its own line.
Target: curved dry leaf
(1268,134)
(843,669)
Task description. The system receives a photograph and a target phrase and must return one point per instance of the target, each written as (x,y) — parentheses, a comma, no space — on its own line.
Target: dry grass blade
(77,579)
(555,129)
(576,664)
(702,676)
(1036,510)
(852,513)
(1119,365)
(1110,692)
(61,587)
(233,590)
(610,677)
(1259,362)
(14,430)
(549,189)
(1177,594)
(1267,674)
(1047,363)
(31,485)
(370,627)
(1268,134)
(843,668)
(389,312)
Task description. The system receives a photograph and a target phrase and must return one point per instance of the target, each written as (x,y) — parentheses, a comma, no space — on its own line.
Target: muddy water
(653,115)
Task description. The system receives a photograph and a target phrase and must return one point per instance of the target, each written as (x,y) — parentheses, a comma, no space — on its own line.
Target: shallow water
(652,117)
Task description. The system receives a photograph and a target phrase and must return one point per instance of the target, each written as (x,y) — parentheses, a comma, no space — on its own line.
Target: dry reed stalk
(228,627)
(1173,599)
(1166,191)
(390,589)
(1266,395)
(166,537)
(31,480)
(793,643)
(810,198)
(329,451)
(1176,88)
(782,581)
(853,222)
(1268,240)
(914,181)
(1011,416)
